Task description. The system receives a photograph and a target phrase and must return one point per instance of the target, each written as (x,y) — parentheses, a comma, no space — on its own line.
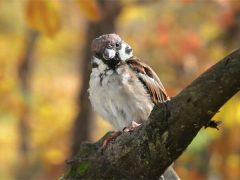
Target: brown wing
(150,80)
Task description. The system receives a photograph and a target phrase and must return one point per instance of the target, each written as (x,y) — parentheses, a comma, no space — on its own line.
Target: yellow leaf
(43,16)
(54,156)
(90,9)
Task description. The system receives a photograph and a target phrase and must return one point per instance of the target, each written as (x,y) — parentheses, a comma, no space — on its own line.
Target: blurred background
(44,74)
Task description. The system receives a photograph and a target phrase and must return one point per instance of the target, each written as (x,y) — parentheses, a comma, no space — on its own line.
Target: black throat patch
(112,63)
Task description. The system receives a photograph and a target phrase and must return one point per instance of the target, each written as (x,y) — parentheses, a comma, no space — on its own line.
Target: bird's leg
(131,127)
(112,137)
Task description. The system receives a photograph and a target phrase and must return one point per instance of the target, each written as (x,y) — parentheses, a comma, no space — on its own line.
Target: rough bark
(150,149)
(82,122)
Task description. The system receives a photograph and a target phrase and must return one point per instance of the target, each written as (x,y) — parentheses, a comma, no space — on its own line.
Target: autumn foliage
(179,39)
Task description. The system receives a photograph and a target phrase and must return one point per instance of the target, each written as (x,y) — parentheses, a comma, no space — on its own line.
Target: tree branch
(148,151)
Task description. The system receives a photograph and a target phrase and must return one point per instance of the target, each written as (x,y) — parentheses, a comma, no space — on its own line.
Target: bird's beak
(109,53)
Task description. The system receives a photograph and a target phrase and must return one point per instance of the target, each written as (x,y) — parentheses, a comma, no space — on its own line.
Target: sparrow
(122,89)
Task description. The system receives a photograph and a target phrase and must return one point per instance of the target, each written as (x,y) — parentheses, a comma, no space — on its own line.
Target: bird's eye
(117,45)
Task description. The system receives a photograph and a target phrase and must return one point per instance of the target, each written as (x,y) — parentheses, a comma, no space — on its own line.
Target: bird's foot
(112,137)
(131,127)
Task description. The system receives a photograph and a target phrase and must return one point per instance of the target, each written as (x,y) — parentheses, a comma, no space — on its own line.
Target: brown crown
(103,41)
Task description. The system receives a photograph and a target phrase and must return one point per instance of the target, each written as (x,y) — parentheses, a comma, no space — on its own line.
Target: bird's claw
(132,126)
(109,139)
(114,135)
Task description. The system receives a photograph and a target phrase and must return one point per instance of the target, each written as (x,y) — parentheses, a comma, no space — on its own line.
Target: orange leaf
(43,16)
(90,9)
(186,2)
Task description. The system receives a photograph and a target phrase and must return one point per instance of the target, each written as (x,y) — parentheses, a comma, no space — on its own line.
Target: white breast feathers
(118,96)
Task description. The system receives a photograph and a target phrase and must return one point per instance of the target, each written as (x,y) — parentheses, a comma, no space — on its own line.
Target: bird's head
(111,49)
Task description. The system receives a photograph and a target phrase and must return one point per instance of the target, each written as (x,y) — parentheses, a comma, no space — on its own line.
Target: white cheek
(122,53)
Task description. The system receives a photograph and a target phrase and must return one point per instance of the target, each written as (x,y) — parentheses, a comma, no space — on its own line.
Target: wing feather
(150,80)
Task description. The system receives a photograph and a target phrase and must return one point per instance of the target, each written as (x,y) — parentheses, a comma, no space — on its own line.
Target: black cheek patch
(128,50)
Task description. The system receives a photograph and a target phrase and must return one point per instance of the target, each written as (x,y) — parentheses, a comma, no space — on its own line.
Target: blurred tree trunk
(24,70)
(82,122)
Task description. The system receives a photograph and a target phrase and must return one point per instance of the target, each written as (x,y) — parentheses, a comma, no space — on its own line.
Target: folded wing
(150,80)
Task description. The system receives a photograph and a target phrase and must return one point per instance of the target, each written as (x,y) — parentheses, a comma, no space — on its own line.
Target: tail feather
(169,174)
